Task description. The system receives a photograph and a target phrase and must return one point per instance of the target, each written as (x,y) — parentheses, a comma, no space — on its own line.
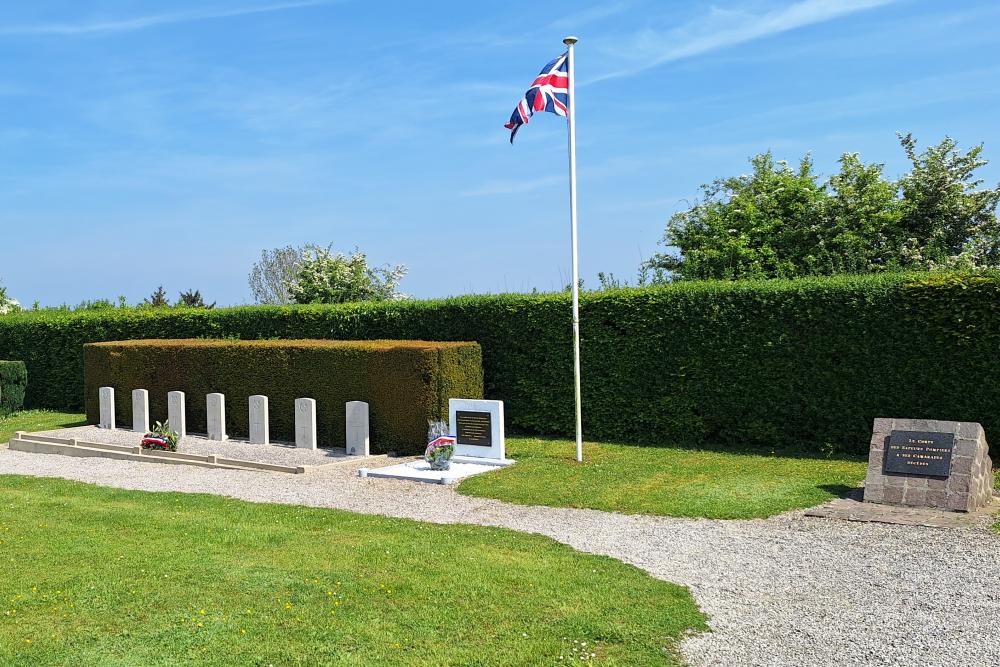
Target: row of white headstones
(358,441)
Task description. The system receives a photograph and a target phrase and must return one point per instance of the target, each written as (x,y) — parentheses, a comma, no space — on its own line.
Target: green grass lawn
(664,481)
(98,576)
(37,420)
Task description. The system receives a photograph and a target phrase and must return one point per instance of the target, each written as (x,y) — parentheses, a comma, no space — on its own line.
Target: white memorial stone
(357,441)
(140,410)
(305,423)
(216,407)
(259,422)
(478,429)
(107,399)
(176,414)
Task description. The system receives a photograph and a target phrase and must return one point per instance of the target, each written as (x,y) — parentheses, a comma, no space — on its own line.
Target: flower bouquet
(439,452)
(161,437)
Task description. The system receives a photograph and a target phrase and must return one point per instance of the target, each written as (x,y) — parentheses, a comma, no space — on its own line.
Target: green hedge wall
(804,363)
(405,383)
(13,380)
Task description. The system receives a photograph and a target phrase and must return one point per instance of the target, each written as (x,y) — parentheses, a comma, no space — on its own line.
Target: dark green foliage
(806,363)
(158,299)
(405,383)
(13,380)
(193,299)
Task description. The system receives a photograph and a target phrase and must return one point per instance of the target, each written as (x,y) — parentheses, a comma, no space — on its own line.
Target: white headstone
(216,407)
(259,422)
(140,410)
(305,423)
(478,429)
(107,399)
(176,414)
(357,429)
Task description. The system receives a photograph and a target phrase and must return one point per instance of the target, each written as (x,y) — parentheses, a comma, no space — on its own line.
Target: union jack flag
(549,92)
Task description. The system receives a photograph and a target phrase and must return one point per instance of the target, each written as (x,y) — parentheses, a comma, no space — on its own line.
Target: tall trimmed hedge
(13,381)
(406,383)
(805,363)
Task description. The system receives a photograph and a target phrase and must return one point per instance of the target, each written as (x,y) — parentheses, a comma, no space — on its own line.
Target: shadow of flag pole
(570,42)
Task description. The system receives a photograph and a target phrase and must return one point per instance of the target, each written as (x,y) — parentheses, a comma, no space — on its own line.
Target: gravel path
(782,591)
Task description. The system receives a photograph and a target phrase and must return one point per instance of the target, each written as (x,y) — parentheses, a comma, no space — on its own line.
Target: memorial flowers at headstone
(441,447)
(161,438)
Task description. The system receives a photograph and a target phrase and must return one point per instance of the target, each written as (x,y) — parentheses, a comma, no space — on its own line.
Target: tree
(271,276)
(781,222)
(8,304)
(324,277)
(193,299)
(158,299)
(947,220)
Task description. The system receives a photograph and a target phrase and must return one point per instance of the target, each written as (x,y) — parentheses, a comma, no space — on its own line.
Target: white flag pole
(571,117)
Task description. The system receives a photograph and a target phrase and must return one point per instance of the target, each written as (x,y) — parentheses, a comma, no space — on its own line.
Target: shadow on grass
(844,491)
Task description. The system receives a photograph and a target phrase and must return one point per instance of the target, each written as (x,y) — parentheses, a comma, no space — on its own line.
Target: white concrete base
(482,461)
(420,471)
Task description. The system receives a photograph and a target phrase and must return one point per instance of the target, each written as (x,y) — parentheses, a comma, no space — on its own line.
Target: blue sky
(169,142)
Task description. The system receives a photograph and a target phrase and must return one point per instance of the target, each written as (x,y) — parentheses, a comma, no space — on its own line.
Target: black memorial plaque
(474,428)
(921,453)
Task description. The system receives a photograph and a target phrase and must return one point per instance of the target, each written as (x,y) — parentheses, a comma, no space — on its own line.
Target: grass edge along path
(37,420)
(104,576)
(664,481)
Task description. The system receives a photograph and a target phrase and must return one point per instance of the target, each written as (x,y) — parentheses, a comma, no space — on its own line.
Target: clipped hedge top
(300,344)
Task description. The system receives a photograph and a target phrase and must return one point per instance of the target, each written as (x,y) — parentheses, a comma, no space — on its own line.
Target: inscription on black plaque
(919,453)
(474,428)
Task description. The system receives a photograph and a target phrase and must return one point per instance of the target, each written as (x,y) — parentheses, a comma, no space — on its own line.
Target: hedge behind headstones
(405,383)
(803,363)
(13,380)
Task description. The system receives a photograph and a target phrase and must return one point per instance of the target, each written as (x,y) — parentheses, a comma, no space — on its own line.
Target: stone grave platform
(195,450)
(854,508)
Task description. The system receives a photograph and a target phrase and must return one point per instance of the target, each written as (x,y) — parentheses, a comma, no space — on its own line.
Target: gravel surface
(276,453)
(788,590)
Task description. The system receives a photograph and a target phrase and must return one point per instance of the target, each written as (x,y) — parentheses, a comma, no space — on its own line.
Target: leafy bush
(405,383)
(805,363)
(13,380)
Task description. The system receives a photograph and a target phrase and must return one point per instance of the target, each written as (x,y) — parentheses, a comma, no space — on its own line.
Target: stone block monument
(929,463)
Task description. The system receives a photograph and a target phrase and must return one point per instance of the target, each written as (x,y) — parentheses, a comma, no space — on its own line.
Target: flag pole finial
(570,41)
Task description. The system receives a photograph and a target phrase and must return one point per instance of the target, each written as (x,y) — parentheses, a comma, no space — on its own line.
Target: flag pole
(571,117)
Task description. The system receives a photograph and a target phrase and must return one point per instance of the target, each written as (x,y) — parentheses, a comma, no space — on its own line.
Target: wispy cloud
(721,28)
(153,20)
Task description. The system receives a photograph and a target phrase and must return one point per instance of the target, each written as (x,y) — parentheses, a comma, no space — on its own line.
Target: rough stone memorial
(929,463)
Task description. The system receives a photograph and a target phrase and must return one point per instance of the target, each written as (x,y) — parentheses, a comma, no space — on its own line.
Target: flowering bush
(161,437)
(439,452)
(8,304)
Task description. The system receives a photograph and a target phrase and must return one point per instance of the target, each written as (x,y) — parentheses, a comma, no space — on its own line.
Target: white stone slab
(305,423)
(260,432)
(358,435)
(176,412)
(478,428)
(216,408)
(420,471)
(140,410)
(106,395)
